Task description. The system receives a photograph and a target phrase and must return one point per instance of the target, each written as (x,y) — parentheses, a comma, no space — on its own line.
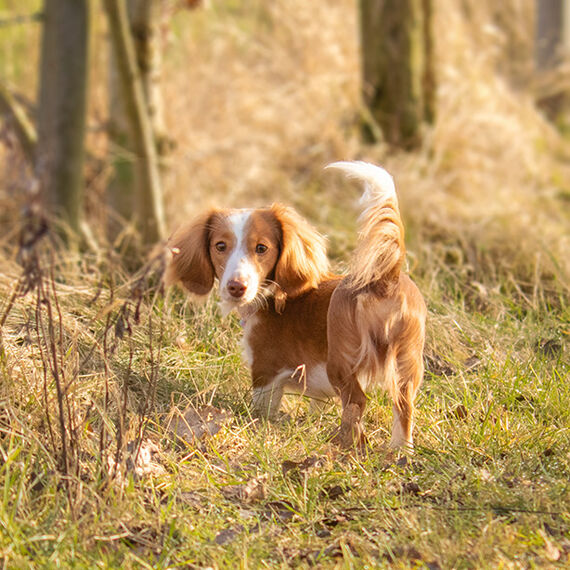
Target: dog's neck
(247,311)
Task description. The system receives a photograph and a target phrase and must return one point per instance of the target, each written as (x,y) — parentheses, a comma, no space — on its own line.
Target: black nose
(236,288)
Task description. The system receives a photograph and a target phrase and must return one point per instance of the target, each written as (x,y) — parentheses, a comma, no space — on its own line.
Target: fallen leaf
(460,412)
(253,490)
(334,492)
(141,460)
(403,461)
(193,424)
(400,552)
(228,535)
(282,510)
(472,363)
(323,533)
(296,468)
(193,499)
(549,347)
(339,518)
(437,366)
(411,488)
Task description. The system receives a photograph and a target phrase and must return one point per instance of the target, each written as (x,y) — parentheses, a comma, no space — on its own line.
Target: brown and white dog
(305,329)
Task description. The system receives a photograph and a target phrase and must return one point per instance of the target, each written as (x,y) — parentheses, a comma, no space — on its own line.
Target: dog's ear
(190,262)
(302,262)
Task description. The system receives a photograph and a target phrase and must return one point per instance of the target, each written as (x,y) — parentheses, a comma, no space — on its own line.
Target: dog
(306,329)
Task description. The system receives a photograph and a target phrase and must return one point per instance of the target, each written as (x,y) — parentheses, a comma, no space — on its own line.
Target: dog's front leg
(350,433)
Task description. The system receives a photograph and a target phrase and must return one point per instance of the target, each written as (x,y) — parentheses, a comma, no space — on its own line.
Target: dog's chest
(288,360)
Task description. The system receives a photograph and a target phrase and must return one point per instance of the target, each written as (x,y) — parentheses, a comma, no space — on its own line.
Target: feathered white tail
(380,249)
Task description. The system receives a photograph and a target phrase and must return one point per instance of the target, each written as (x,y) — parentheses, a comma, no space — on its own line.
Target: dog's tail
(380,250)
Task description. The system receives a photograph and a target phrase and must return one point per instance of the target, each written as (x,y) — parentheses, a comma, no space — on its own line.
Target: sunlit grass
(488,481)
(261,96)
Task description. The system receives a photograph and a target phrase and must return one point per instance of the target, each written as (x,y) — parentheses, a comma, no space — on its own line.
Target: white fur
(398,438)
(266,400)
(247,330)
(379,184)
(313,384)
(239,267)
(318,385)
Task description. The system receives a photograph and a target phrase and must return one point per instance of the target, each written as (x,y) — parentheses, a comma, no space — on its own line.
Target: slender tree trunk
(62,107)
(144,17)
(398,80)
(552,46)
(136,116)
(25,130)
(549,33)
(428,72)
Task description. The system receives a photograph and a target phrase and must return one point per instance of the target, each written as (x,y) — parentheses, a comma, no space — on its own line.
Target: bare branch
(25,130)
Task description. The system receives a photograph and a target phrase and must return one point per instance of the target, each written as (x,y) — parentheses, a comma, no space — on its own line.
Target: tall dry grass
(260,101)
(260,104)
(261,95)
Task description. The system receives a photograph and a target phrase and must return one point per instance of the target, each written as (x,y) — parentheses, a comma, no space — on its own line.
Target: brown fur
(298,334)
(297,256)
(381,314)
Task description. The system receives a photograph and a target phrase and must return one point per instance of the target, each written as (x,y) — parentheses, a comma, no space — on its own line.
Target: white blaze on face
(240,266)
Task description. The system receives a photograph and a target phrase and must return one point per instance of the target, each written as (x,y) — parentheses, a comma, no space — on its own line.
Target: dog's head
(251,252)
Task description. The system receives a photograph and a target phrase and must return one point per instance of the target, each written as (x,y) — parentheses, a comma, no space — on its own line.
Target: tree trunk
(549,32)
(398,78)
(25,130)
(62,107)
(135,116)
(551,47)
(144,17)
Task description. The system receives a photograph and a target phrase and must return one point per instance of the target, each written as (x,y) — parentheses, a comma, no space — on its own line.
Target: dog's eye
(260,248)
(220,246)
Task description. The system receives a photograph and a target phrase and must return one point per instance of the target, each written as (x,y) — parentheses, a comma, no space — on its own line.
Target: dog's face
(250,252)
(244,248)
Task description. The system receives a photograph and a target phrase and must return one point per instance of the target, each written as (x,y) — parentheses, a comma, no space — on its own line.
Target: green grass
(486,487)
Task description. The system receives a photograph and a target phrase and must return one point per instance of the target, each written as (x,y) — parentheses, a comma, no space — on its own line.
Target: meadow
(126,438)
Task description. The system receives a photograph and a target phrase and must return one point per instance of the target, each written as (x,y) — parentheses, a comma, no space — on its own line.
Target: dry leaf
(228,535)
(334,492)
(283,511)
(196,423)
(142,460)
(295,468)
(253,490)
(551,551)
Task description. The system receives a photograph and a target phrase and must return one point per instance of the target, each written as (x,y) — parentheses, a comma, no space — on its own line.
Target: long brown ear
(190,263)
(303,260)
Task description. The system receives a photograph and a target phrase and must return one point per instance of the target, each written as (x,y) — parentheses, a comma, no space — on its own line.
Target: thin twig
(25,130)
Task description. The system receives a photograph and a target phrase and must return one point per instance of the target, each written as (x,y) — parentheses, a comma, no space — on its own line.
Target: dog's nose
(236,288)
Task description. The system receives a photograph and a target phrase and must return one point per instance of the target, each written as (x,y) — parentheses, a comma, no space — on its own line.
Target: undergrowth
(100,371)
(125,431)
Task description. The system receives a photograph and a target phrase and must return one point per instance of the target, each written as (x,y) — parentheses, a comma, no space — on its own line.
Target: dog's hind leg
(410,373)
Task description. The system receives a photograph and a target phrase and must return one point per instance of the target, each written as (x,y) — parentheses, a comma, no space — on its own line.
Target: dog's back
(376,318)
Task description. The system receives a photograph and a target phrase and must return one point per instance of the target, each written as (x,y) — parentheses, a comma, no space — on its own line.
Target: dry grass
(259,127)
(260,96)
